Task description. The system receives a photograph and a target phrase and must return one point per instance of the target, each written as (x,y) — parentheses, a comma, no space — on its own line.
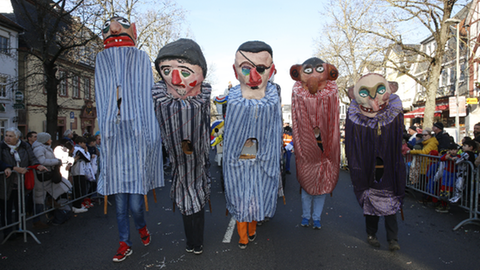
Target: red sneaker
(123,251)
(145,236)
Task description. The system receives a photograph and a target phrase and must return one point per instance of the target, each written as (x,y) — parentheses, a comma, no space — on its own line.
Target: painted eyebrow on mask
(185,67)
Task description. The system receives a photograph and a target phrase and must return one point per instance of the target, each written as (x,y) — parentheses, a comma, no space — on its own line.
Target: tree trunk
(52,97)
(432,87)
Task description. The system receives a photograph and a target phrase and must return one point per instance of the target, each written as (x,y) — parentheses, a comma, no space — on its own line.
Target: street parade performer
(131,143)
(252,140)
(182,104)
(373,143)
(316,134)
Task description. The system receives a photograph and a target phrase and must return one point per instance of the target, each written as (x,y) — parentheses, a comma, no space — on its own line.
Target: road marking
(228,234)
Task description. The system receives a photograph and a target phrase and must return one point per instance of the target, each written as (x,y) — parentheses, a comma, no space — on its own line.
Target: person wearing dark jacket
(7,169)
(442,137)
(19,154)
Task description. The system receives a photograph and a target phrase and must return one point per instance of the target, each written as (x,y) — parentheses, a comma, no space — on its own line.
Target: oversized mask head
(119,32)
(372,93)
(253,67)
(183,68)
(314,74)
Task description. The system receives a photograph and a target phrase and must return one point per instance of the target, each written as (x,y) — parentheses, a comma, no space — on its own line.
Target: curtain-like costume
(251,185)
(317,170)
(371,138)
(180,120)
(131,148)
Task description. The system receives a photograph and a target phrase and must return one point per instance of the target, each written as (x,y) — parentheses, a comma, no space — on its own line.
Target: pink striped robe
(317,171)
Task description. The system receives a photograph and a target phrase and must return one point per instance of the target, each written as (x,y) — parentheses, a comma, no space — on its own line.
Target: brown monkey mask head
(314,74)
(372,93)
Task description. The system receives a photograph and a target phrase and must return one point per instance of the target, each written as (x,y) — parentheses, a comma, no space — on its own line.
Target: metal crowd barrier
(46,194)
(19,222)
(441,180)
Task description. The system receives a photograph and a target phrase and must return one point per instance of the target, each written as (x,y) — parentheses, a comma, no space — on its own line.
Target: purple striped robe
(180,120)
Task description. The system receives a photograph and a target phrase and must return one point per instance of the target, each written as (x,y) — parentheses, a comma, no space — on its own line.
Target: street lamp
(457,116)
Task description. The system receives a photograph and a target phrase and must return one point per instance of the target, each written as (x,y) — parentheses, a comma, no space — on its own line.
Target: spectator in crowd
(43,184)
(448,177)
(460,149)
(19,154)
(442,137)
(412,131)
(98,141)
(429,143)
(78,171)
(287,139)
(464,177)
(31,137)
(476,132)
(64,152)
(405,147)
(68,135)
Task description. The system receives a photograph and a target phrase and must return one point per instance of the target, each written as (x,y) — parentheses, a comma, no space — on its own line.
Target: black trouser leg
(194,225)
(372,224)
(80,188)
(391,226)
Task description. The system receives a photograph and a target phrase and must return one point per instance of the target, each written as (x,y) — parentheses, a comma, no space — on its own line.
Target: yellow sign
(472,100)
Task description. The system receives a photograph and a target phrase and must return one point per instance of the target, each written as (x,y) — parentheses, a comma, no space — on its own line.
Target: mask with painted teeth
(372,93)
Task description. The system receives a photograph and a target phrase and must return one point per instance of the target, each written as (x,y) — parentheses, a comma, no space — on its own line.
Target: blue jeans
(318,202)
(124,202)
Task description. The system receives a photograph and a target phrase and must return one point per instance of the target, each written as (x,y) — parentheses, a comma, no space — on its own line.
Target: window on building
(444,77)
(4,41)
(453,75)
(3,86)
(62,90)
(3,127)
(462,72)
(75,87)
(86,87)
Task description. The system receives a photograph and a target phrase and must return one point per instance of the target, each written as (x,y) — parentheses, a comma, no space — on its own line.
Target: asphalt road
(89,240)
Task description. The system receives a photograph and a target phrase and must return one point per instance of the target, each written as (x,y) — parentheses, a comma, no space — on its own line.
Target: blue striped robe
(251,185)
(180,120)
(131,149)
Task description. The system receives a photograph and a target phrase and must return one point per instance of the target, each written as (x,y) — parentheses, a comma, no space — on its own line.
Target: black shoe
(373,241)
(189,249)
(198,250)
(288,172)
(242,246)
(393,245)
(252,238)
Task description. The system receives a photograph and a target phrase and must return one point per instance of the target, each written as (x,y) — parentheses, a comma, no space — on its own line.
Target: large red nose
(255,78)
(176,80)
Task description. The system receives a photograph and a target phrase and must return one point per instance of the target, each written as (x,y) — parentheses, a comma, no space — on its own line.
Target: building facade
(9,32)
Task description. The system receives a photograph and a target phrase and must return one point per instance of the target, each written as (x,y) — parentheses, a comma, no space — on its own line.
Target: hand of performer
(42,168)
(249,143)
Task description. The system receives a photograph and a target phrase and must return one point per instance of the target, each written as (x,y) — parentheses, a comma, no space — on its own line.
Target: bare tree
(53,37)
(431,15)
(158,22)
(345,47)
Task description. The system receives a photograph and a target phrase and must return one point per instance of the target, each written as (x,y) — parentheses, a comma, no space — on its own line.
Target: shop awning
(418,113)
